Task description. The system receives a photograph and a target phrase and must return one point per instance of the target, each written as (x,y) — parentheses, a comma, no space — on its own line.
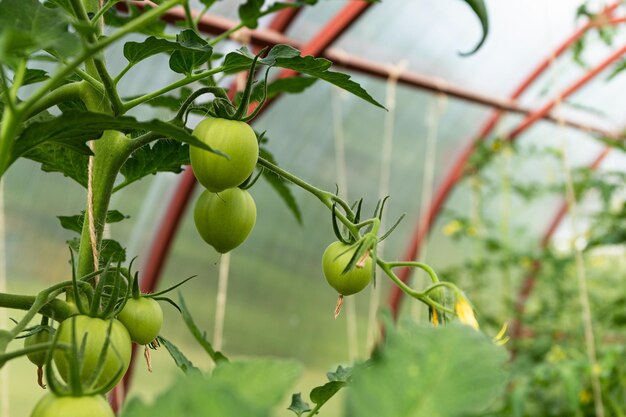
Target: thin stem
(119,76)
(190,21)
(100,13)
(18,79)
(64,93)
(324,196)
(225,34)
(180,83)
(9,101)
(109,87)
(199,16)
(431,272)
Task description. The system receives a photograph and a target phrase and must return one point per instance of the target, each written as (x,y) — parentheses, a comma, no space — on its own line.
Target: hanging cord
(583,291)
(90,213)
(4,372)
(436,108)
(220,301)
(383,188)
(342,183)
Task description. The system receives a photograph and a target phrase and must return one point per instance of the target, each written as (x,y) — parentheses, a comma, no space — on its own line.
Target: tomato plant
(143,318)
(234,138)
(95,333)
(224,220)
(75,118)
(334,261)
(52,405)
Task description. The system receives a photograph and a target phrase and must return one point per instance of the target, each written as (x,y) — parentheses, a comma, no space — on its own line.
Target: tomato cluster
(224,214)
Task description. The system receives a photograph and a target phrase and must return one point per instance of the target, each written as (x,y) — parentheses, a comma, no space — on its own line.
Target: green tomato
(333,263)
(143,319)
(43,336)
(237,140)
(94,332)
(225,220)
(52,405)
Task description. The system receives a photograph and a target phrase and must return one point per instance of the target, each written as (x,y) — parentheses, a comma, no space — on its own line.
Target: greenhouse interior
(343,208)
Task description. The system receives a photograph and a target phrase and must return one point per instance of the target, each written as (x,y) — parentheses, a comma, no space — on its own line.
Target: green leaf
(285,56)
(138,51)
(26,26)
(281,186)
(289,85)
(478,6)
(217,357)
(298,405)
(320,395)
(241,389)
(179,358)
(249,13)
(55,157)
(110,251)
(34,76)
(262,382)
(193,52)
(115,18)
(446,371)
(341,374)
(74,129)
(75,223)
(617,69)
(163,156)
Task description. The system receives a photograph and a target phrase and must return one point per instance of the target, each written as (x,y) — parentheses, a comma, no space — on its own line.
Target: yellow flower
(434,319)
(465,313)
(584,396)
(452,228)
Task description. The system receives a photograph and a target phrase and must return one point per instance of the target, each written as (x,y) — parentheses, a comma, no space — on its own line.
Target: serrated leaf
(446,371)
(113,17)
(285,56)
(479,8)
(281,186)
(73,129)
(240,389)
(341,374)
(163,156)
(193,52)
(110,250)
(26,26)
(263,384)
(55,157)
(320,395)
(75,223)
(217,357)
(298,405)
(138,51)
(34,76)
(289,85)
(179,358)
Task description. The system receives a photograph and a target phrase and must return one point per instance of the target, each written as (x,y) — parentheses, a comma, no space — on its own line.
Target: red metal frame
(455,174)
(167,230)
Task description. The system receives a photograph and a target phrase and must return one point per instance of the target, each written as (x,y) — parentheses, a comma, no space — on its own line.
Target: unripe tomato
(117,354)
(88,406)
(143,319)
(237,140)
(351,282)
(38,358)
(225,220)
